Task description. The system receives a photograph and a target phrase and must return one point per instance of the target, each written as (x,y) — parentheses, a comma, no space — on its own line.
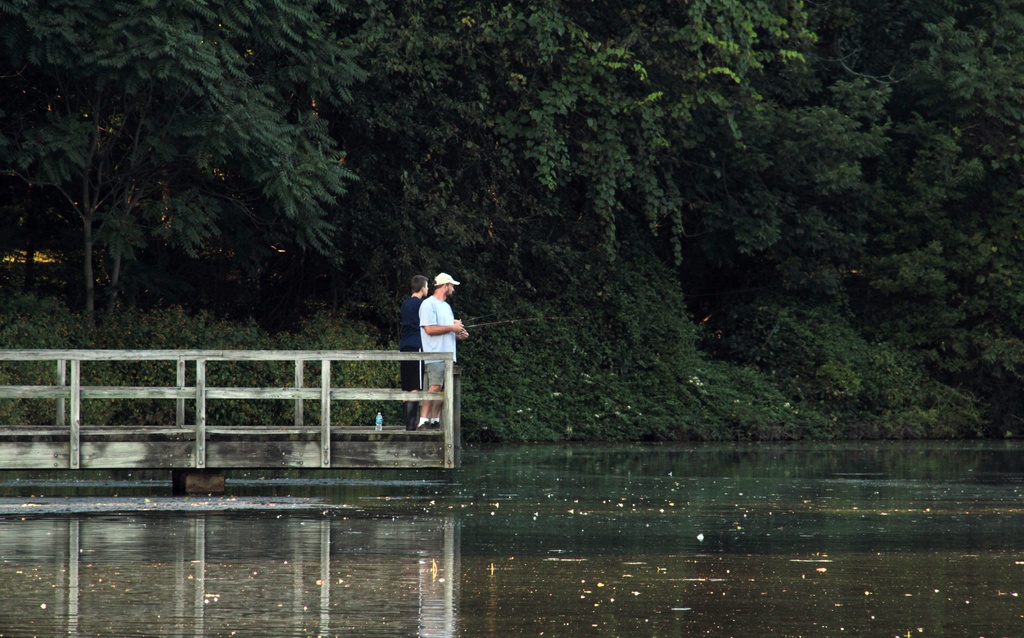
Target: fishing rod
(509,321)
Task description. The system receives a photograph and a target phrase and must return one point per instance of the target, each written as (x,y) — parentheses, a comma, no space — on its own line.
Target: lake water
(909,539)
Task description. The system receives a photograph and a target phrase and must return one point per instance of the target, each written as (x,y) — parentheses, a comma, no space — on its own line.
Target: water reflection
(224,574)
(568,541)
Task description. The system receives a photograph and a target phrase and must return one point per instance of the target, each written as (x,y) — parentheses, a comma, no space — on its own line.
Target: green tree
(523,145)
(947,251)
(162,121)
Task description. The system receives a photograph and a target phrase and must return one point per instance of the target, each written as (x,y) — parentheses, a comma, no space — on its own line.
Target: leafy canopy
(155,119)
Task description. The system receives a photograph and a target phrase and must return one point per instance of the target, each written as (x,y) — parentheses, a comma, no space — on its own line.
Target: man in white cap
(440,331)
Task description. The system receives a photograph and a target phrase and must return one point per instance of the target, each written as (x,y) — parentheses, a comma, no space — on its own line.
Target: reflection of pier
(215,574)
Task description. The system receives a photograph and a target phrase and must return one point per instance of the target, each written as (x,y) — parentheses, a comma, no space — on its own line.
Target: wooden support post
(299,382)
(200,460)
(184,482)
(62,381)
(448,413)
(325,413)
(76,414)
(179,412)
(457,415)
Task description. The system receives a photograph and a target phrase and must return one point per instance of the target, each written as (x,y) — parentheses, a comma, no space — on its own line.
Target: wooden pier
(197,446)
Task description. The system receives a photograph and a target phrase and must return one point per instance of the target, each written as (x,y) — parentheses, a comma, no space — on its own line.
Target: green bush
(27,322)
(866,389)
(621,362)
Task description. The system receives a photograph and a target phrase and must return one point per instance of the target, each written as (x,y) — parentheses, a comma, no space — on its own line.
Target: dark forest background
(700,219)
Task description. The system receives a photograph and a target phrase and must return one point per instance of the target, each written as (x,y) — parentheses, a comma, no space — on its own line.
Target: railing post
(299,381)
(62,381)
(200,413)
(76,414)
(448,413)
(325,413)
(179,413)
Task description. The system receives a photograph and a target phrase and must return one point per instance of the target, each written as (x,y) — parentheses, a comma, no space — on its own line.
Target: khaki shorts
(435,373)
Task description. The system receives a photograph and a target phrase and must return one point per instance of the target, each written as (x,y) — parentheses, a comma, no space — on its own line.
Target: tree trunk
(87,270)
(115,280)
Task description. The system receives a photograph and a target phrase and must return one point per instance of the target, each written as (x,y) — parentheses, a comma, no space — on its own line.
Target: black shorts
(411,372)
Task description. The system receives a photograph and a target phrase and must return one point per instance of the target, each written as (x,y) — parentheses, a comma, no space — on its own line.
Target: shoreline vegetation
(527,382)
(672,221)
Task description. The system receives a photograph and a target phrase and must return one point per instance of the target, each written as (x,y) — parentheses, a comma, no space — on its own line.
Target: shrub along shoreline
(644,375)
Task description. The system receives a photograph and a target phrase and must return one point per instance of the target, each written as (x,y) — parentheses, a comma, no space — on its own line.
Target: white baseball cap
(444,278)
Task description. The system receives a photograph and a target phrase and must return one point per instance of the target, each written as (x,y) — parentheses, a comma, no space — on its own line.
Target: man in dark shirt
(412,371)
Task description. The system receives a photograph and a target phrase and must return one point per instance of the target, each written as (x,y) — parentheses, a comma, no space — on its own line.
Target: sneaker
(435,425)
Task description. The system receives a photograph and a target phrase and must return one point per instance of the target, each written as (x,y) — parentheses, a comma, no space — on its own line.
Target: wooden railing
(69,392)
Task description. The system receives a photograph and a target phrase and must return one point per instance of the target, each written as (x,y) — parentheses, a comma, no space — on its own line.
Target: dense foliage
(697,220)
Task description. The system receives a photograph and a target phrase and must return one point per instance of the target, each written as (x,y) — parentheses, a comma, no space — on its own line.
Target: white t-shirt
(434,312)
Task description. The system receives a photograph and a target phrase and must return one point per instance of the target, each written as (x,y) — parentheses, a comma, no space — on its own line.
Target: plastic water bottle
(379,422)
